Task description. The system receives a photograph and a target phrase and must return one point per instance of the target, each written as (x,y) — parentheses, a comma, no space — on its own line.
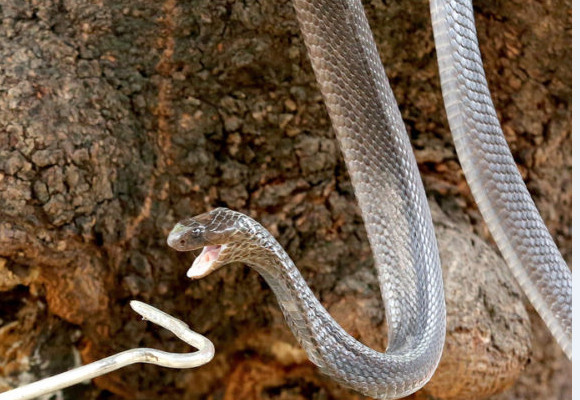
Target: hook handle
(141,355)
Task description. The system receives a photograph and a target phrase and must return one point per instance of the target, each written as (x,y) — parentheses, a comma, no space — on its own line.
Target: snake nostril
(182,242)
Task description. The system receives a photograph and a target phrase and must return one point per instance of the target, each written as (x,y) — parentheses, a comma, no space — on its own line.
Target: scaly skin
(492,174)
(386,180)
(405,366)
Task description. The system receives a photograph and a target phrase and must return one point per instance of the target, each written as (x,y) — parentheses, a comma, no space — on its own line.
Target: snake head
(218,232)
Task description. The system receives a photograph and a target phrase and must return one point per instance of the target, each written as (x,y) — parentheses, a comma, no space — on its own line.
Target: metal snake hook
(133,356)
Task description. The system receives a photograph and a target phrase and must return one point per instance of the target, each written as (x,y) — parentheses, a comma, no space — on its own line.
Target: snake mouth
(205,263)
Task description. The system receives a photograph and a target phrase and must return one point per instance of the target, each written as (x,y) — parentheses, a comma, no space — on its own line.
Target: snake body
(492,174)
(388,187)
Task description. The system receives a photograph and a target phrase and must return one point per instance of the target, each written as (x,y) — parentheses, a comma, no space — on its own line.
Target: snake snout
(185,237)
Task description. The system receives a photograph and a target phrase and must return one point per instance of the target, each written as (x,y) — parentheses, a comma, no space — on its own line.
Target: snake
(394,208)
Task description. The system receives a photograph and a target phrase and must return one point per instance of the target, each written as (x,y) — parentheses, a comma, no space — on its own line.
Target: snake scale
(385,176)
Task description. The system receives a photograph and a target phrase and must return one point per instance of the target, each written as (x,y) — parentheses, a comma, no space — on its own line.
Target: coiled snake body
(388,187)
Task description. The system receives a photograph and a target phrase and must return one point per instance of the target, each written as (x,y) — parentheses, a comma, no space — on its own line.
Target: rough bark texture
(118,118)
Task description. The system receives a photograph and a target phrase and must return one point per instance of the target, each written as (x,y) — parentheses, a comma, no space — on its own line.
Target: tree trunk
(119,118)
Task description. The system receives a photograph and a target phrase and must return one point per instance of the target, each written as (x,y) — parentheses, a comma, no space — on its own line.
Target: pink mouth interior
(204,263)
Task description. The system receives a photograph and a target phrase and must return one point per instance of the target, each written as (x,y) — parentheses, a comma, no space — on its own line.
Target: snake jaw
(206,262)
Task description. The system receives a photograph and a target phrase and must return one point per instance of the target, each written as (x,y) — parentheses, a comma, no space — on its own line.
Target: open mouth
(204,264)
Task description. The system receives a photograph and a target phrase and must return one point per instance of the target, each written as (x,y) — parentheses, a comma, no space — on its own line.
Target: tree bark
(119,118)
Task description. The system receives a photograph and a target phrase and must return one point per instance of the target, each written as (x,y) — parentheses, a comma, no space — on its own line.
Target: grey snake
(386,180)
